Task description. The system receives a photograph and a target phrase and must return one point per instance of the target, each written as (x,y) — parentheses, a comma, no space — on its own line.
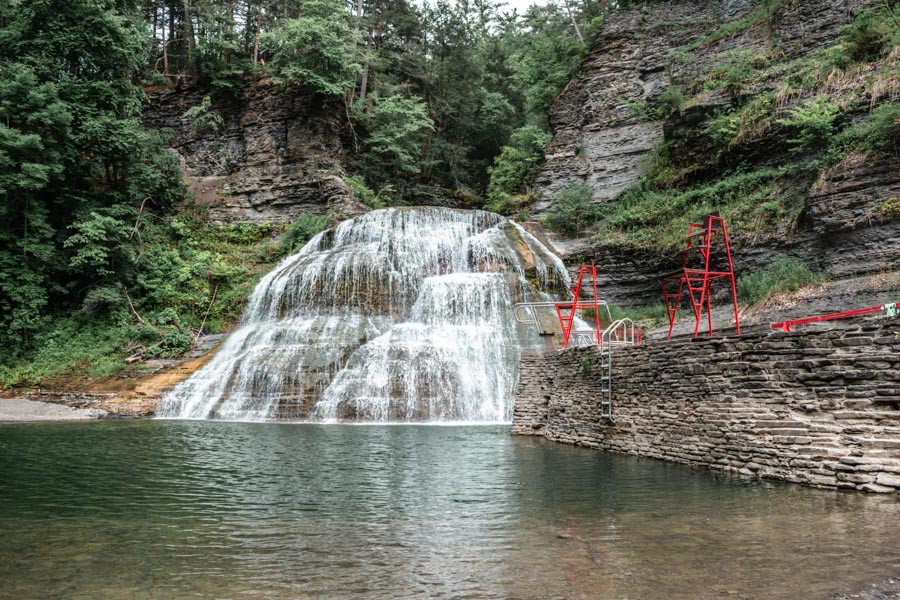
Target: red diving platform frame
(567,311)
(696,258)
(892,310)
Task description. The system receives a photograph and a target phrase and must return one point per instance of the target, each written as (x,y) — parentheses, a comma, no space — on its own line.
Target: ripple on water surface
(176,509)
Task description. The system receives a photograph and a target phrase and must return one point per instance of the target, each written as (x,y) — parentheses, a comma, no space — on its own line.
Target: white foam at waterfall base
(454,360)
(398,315)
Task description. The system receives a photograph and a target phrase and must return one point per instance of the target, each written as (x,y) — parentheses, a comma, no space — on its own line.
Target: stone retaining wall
(820,408)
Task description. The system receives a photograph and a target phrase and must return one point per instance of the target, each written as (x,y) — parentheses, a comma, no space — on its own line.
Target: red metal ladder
(698,280)
(568,311)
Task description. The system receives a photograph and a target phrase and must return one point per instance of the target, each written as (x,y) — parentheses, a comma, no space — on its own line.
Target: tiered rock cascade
(397,315)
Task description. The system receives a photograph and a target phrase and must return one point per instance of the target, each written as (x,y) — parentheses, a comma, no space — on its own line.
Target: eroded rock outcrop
(610,124)
(278,153)
(600,134)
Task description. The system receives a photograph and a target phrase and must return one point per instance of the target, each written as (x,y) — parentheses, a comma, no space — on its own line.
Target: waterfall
(401,314)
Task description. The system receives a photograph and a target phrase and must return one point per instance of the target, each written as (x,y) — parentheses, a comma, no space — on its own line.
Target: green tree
(314,50)
(514,167)
(396,128)
(76,165)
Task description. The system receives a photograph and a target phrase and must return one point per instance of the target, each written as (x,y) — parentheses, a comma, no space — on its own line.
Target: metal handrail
(620,332)
(624,333)
(531,318)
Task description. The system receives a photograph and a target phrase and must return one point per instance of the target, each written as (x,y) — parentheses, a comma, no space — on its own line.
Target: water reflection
(174,509)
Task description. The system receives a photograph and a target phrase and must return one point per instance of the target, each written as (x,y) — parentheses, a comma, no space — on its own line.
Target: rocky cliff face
(599,136)
(278,153)
(610,129)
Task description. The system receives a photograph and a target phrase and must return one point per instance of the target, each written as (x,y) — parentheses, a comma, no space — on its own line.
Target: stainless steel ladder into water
(619,333)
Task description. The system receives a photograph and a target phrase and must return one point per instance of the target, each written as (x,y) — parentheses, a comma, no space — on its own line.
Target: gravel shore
(889,590)
(16,410)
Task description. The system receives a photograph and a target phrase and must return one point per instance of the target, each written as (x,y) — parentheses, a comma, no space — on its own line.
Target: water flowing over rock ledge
(397,315)
(816,407)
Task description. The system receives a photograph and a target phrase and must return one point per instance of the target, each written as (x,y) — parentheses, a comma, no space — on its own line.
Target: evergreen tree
(76,164)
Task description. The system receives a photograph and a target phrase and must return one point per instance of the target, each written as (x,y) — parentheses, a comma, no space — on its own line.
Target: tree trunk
(165,43)
(574,22)
(189,33)
(365,73)
(171,22)
(359,10)
(258,29)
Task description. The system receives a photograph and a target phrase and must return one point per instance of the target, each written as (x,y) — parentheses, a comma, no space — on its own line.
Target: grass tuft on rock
(783,276)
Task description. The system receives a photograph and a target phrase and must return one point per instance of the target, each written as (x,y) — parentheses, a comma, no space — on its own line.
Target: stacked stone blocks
(817,407)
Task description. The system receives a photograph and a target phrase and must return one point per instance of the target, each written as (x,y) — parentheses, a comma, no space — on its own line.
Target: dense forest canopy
(444,82)
(100,258)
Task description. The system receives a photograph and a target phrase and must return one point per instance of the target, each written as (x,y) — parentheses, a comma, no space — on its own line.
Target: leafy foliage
(672,99)
(204,119)
(814,122)
(871,34)
(573,209)
(397,127)
(514,167)
(303,229)
(314,50)
(878,133)
(78,169)
(657,217)
(747,122)
(546,59)
(384,196)
(734,71)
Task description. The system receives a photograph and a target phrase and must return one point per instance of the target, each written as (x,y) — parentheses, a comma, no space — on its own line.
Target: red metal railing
(568,311)
(892,309)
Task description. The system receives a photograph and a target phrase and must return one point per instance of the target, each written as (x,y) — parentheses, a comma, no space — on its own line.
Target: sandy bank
(21,410)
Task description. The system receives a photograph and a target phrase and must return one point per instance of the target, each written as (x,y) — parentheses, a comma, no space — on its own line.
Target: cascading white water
(396,315)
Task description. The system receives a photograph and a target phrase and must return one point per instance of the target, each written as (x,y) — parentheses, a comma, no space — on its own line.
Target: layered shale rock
(610,124)
(600,136)
(277,154)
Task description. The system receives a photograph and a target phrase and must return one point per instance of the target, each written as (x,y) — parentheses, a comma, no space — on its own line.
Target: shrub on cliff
(878,133)
(871,34)
(573,210)
(814,123)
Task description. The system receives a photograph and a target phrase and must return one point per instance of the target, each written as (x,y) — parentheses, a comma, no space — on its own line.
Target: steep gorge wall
(277,154)
(601,138)
(597,137)
(820,408)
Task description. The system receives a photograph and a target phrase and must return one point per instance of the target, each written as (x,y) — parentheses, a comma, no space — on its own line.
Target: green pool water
(174,509)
